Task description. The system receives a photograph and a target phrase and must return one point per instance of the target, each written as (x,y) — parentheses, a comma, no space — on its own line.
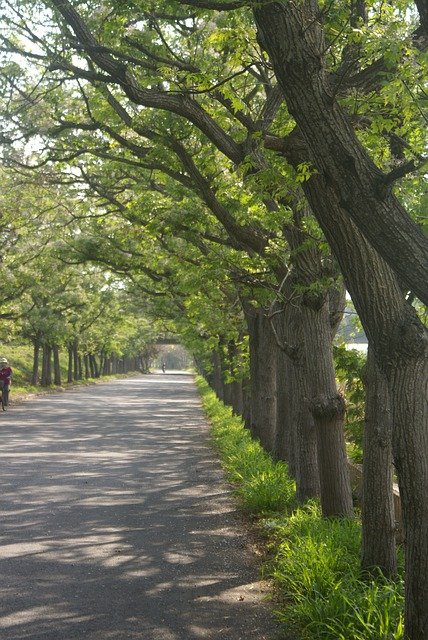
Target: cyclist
(5,378)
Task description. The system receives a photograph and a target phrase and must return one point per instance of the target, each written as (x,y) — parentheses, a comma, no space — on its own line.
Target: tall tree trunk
(107,366)
(86,366)
(346,185)
(217,375)
(287,390)
(46,379)
(327,407)
(70,364)
(95,373)
(57,366)
(75,360)
(36,353)
(318,316)
(400,342)
(114,363)
(43,377)
(292,33)
(236,392)
(263,351)
(300,432)
(378,539)
(285,436)
(102,365)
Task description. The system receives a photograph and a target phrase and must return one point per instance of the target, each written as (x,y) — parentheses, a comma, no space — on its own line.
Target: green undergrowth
(314,562)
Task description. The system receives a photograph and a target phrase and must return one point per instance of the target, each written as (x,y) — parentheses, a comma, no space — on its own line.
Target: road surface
(116,523)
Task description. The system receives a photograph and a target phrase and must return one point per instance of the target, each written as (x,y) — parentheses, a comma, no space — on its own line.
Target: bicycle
(4,398)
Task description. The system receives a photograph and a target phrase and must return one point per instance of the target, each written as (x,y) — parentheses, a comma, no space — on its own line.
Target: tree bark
(46,379)
(95,372)
(70,364)
(263,350)
(57,367)
(285,440)
(75,361)
(86,366)
(300,430)
(378,539)
(217,375)
(328,409)
(36,354)
(320,311)
(400,342)
(292,35)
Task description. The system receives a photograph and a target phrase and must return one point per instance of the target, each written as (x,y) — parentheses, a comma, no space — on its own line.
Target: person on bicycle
(5,375)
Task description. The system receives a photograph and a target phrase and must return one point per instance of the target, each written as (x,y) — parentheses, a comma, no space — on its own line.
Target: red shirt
(6,375)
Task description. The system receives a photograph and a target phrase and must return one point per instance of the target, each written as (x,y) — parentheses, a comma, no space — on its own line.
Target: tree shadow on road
(116,522)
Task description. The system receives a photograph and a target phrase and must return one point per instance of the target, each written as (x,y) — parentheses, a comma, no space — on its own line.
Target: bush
(350,365)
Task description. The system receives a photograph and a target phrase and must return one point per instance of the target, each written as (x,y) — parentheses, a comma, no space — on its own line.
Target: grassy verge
(313,562)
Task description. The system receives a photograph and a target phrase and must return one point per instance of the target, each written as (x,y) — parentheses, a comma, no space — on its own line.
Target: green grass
(314,562)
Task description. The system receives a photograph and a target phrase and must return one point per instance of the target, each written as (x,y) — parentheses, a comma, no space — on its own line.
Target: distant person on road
(163,367)
(5,375)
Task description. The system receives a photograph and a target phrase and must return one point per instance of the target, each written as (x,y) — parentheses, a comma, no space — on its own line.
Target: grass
(314,562)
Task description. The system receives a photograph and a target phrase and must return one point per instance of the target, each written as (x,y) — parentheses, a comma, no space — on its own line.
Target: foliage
(349,371)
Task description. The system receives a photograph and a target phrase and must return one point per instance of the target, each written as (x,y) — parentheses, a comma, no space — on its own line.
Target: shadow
(116,522)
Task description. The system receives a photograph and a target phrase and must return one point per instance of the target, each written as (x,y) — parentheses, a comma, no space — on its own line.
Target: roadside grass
(313,562)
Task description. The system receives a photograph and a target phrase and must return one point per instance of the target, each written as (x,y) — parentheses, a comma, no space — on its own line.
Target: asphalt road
(116,523)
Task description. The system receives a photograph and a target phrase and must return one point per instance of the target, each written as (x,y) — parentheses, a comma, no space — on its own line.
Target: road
(116,522)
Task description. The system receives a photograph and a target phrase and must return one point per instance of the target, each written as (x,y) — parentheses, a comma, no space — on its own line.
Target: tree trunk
(235,364)
(36,353)
(285,432)
(217,375)
(299,433)
(57,367)
(348,184)
(106,366)
(293,36)
(315,323)
(400,342)
(263,351)
(75,360)
(410,448)
(327,407)
(287,390)
(95,372)
(86,365)
(70,364)
(378,540)
(114,363)
(46,379)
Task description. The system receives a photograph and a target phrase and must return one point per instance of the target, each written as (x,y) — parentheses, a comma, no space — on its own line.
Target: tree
(334,190)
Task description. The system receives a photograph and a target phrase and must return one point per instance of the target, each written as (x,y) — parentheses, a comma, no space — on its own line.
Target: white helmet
(3,361)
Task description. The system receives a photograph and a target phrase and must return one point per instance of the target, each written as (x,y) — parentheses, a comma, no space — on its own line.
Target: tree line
(240,166)
(56,304)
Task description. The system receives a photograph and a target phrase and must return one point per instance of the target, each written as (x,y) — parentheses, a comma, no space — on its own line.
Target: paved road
(115,522)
